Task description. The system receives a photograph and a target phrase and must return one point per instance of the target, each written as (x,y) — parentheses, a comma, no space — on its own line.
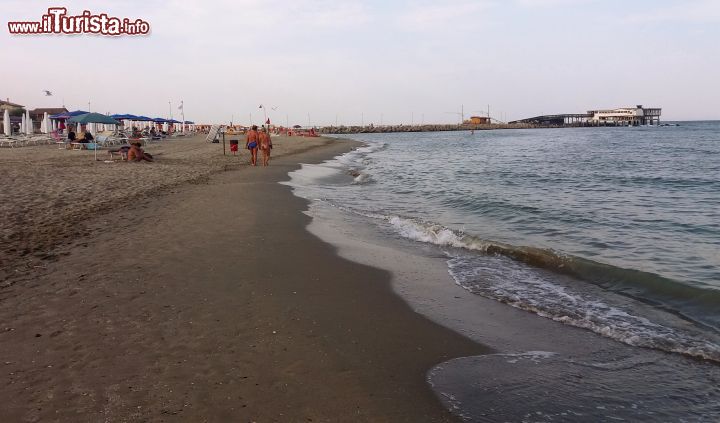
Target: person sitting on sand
(137,154)
(251,143)
(85,137)
(71,135)
(265,145)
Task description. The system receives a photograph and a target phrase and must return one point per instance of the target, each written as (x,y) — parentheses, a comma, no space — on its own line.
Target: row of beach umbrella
(52,123)
(26,124)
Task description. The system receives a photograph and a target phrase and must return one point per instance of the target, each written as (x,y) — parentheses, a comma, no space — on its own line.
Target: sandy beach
(176,291)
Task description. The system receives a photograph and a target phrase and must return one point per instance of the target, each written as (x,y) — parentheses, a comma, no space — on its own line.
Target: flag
(180,107)
(267,122)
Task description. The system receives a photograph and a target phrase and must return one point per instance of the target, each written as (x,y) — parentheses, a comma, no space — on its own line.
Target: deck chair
(8,141)
(59,141)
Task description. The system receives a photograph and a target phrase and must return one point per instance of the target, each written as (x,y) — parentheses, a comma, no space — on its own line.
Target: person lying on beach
(137,154)
(251,143)
(265,145)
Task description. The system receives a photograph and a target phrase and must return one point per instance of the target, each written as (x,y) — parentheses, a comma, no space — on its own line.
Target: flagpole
(182,107)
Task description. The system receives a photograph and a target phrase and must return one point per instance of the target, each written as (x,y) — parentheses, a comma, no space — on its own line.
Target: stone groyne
(418,128)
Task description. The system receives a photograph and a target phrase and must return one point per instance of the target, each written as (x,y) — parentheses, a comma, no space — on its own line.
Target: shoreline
(214,302)
(540,364)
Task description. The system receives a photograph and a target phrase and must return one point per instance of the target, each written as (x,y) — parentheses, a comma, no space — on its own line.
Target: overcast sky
(397,61)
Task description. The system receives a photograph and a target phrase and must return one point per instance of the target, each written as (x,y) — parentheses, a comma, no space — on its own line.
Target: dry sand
(208,303)
(48,193)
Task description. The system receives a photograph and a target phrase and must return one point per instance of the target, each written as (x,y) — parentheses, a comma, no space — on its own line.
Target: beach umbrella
(46,123)
(22,124)
(6,123)
(67,115)
(93,118)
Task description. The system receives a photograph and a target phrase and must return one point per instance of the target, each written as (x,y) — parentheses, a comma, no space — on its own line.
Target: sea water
(615,231)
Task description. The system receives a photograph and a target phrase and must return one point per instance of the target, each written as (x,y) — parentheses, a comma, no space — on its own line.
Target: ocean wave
(695,303)
(361,178)
(507,281)
(516,278)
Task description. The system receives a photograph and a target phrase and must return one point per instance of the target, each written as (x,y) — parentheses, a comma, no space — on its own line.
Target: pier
(623,116)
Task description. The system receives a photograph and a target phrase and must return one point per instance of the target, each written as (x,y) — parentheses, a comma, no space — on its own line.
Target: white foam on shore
(530,289)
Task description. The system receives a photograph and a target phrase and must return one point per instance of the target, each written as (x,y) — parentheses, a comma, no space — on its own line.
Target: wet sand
(210,302)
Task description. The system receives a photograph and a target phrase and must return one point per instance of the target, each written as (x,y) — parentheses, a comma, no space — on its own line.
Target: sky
(382,62)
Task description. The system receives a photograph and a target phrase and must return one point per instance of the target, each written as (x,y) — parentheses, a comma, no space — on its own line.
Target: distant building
(38,114)
(12,107)
(478,120)
(637,115)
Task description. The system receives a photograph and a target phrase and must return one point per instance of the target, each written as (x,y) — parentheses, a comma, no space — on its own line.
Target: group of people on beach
(255,141)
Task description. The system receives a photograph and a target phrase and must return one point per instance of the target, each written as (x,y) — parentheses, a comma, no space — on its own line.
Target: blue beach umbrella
(93,118)
(68,115)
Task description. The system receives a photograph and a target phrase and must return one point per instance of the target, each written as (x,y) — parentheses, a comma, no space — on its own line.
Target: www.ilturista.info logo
(56,21)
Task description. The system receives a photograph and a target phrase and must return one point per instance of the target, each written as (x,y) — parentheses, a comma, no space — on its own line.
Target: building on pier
(632,116)
(478,120)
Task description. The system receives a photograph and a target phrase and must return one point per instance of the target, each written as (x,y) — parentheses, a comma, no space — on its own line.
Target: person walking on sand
(265,145)
(251,143)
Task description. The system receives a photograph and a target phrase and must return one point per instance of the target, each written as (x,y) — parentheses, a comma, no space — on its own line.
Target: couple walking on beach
(258,140)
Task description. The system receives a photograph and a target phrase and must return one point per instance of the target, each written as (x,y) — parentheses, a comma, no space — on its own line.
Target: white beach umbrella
(29,123)
(22,124)
(6,122)
(45,123)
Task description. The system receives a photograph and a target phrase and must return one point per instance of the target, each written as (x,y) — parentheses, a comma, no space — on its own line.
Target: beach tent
(123,118)
(93,118)
(145,119)
(6,123)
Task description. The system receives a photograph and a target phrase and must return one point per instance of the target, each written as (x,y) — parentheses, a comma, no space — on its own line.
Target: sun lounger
(122,151)
(8,141)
